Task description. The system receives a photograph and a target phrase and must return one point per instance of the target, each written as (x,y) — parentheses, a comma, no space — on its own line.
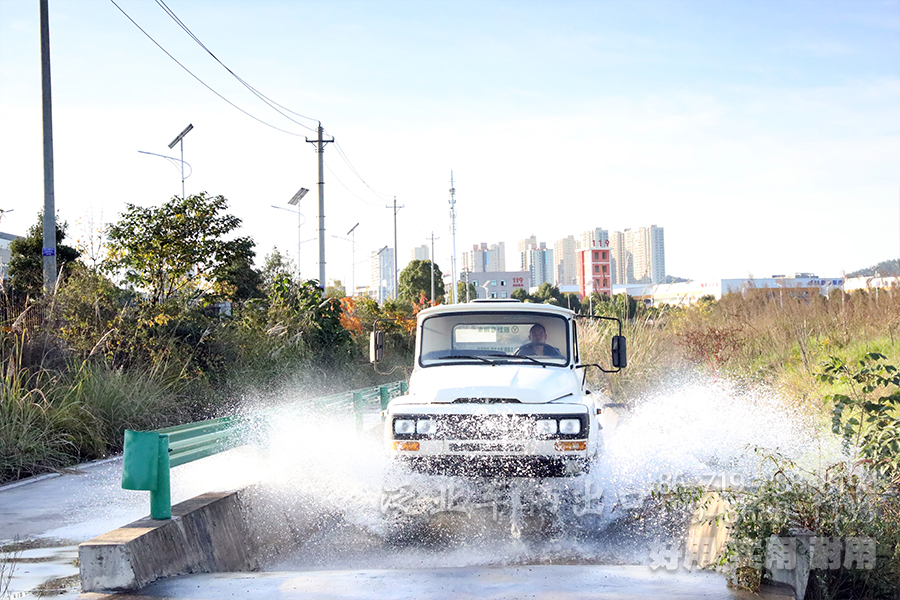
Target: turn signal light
(410,446)
(570,446)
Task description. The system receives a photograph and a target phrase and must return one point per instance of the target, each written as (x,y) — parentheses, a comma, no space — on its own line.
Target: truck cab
(497,389)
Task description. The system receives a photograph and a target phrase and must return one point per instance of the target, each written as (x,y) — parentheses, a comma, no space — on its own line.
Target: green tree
(522,295)
(415,280)
(335,290)
(276,266)
(461,291)
(177,250)
(549,294)
(26,265)
(238,279)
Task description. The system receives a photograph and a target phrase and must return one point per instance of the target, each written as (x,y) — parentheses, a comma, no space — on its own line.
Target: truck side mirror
(619,353)
(376,347)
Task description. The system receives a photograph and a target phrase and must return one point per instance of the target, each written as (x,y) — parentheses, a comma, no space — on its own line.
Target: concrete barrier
(207,534)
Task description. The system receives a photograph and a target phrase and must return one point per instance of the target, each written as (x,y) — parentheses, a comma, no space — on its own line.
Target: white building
(638,255)
(382,274)
(593,238)
(689,292)
(5,255)
(420,253)
(497,284)
(620,259)
(523,247)
(564,260)
(483,258)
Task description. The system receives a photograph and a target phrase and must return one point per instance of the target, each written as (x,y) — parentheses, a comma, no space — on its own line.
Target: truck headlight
(404,426)
(569,426)
(426,426)
(546,427)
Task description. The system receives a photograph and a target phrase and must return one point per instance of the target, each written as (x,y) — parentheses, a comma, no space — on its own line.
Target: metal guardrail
(149,455)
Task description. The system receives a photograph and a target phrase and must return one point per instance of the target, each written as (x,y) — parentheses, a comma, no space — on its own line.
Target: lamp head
(298,196)
(181,135)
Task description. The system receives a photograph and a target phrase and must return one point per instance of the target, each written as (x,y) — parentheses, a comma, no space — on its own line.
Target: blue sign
(48,252)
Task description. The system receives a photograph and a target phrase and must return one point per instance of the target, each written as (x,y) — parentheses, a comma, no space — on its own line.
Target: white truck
(497,390)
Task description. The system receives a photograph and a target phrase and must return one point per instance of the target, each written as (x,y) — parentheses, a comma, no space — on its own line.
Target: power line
(355,172)
(352,193)
(271,103)
(158,45)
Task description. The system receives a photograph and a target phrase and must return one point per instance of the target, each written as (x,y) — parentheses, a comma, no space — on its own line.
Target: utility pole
(432,238)
(320,149)
(49,240)
(396,209)
(453,292)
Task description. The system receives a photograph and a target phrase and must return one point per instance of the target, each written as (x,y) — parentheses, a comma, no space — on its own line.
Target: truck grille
(502,428)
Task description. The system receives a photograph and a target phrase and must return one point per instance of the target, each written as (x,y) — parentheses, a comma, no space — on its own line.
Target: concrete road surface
(477,583)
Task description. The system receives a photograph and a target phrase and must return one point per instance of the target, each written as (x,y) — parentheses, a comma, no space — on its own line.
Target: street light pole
(295,201)
(180,140)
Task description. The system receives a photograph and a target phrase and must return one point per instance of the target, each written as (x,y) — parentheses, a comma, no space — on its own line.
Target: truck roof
(496,306)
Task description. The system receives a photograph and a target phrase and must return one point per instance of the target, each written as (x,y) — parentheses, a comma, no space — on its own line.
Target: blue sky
(764,136)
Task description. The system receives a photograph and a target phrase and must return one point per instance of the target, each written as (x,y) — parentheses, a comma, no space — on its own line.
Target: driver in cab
(537,345)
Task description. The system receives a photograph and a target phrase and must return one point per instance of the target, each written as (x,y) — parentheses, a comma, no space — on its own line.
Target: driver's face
(538,336)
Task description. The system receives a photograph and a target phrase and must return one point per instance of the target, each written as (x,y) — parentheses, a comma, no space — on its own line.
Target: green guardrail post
(161,497)
(145,466)
(358,410)
(385,393)
(404,387)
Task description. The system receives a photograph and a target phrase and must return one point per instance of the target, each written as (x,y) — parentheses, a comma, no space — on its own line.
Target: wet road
(477,583)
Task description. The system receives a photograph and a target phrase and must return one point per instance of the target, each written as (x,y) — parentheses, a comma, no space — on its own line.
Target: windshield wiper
(467,356)
(522,356)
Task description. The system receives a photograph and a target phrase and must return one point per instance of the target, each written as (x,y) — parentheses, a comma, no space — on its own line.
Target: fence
(149,455)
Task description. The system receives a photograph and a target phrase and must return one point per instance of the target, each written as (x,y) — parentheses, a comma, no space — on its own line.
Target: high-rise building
(382,274)
(564,259)
(482,259)
(523,247)
(638,255)
(497,257)
(620,261)
(420,253)
(593,238)
(657,254)
(541,266)
(647,248)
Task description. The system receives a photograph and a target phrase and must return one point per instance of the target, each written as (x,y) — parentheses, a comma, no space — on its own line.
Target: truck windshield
(494,338)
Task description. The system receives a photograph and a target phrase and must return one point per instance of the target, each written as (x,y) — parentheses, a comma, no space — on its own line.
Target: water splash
(334,487)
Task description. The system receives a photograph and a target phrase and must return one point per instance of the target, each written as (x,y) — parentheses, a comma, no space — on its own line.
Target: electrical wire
(268,101)
(203,83)
(352,193)
(355,172)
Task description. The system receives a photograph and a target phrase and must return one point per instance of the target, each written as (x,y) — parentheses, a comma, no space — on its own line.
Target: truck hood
(527,384)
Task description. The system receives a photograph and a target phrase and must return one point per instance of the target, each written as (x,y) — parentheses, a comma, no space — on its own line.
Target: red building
(593,271)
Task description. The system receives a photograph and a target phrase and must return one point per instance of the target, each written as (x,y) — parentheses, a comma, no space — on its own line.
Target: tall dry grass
(763,337)
(652,354)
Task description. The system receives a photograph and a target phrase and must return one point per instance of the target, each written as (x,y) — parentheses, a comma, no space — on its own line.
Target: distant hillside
(886,268)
